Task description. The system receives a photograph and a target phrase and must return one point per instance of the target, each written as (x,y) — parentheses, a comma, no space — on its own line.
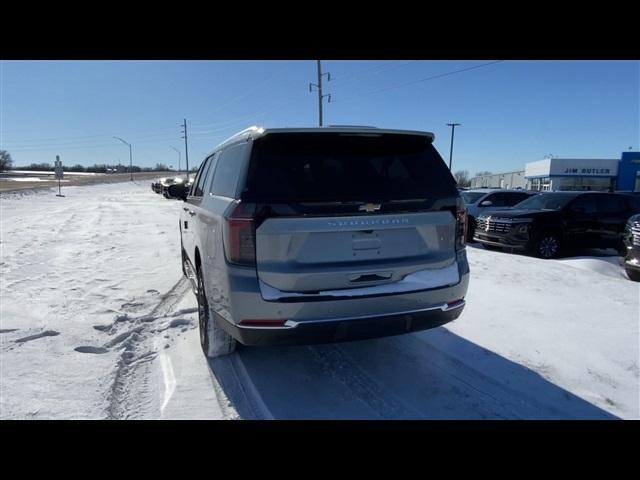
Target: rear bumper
(343,329)
(236,293)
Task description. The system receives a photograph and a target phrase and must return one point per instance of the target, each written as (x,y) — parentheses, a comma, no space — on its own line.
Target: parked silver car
(317,235)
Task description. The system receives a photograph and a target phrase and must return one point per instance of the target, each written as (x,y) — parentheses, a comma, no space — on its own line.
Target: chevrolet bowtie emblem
(369,207)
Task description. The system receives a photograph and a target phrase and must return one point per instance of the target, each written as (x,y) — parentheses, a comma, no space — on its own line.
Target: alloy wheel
(548,247)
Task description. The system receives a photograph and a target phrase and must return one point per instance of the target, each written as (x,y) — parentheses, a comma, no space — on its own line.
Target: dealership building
(557,174)
(513,179)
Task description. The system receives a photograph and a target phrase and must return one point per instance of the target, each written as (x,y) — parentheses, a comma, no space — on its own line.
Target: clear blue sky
(511,112)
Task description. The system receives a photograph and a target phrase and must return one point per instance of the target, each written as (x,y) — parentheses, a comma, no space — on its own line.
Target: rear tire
(633,274)
(214,340)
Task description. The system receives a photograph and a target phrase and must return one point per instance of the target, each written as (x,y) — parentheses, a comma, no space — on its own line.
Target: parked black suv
(544,224)
(631,254)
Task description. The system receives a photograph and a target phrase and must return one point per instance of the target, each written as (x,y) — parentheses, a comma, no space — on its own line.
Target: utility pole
(319,88)
(453,128)
(186,148)
(179,157)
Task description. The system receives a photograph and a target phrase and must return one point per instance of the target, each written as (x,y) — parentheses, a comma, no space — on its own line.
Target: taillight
(239,235)
(461,224)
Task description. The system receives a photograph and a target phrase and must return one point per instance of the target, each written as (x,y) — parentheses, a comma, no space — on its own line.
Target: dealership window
(541,184)
(582,183)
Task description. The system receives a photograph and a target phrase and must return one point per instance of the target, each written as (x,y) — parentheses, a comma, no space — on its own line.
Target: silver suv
(318,235)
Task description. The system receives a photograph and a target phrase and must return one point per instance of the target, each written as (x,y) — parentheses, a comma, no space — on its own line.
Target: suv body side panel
(209,241)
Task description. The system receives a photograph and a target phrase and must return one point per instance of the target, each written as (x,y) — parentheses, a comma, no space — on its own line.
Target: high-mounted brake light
(239,235)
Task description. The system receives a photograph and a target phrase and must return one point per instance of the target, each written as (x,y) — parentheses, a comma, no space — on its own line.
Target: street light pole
(130,156)
(179,157)
(453,128)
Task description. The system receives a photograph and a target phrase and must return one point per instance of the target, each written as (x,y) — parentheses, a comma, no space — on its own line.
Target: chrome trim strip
(444,307)
(286,326)
(414,282)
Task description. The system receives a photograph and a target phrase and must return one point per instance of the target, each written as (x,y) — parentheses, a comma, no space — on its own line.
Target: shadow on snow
(433,374)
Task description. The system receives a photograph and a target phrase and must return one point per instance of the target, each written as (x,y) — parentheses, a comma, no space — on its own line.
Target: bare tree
(5,160)
(483,172)
(462,178)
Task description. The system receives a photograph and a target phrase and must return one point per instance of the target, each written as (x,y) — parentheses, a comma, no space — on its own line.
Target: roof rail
(351,126)
(246,132)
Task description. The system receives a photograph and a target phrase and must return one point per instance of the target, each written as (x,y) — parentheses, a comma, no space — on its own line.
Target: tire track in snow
(329,361)
(128,382)
(250,393)
(382,401)
(47,333)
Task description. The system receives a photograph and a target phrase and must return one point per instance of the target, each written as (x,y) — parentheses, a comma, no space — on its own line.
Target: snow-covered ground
(97,322)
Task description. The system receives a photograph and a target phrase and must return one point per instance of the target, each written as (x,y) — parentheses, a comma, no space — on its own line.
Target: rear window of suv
(325,167)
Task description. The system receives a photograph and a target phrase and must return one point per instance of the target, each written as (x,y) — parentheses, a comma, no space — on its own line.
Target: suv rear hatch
(346,210)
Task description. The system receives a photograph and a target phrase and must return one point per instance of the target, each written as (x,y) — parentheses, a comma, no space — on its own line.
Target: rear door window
(515,198)
(206,185)
(496,199)
(471,197)
(610,204)
(228,170)
(585,203)
(633,202)
(197,192)
(192,192)
(339,167)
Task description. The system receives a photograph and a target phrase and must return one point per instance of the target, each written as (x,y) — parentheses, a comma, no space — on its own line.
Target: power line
(228,127)
(244,117)
(46,147)
(65,146)
(80,142)
(252,90)
(358,75)
(106,135)
(404,84)
(100,141)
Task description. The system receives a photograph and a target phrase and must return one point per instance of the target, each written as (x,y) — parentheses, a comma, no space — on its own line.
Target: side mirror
(486,203)
(178,190)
